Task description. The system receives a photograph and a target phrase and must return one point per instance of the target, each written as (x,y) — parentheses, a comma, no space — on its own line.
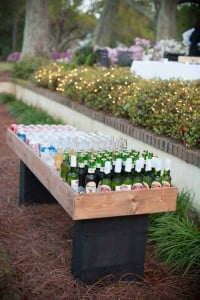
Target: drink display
(105,184)
(91,178)
(166,177)
(94,162)
(138,176)
(127,180)
(116,183)
(73,178)
(157,178)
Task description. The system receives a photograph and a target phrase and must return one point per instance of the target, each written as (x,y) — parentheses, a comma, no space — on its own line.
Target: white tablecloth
(165,70)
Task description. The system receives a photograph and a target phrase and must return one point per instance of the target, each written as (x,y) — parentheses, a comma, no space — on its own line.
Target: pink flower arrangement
(12,57)
(62,56)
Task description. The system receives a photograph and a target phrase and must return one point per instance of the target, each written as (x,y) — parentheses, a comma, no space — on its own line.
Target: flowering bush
(138,49)
(62,56)
(15,56)
(168,107)
(171,46)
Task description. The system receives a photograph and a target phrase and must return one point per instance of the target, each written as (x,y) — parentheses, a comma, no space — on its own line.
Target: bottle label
(90,187)
(74,184)
(118,188)
(137,186)
(81,189)
(126,187)
(156,185)
(105,188)
(165,184)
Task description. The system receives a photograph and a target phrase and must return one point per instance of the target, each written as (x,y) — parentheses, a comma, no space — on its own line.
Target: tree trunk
(166,23)
(15,31)
(36,31)
(104,30)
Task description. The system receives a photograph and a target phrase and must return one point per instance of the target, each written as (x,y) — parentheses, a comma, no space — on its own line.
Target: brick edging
(168,145)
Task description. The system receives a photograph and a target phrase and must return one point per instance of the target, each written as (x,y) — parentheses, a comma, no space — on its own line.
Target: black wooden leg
(109,246)
(31,189)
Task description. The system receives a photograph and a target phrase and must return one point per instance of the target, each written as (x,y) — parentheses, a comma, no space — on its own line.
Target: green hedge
(167,107)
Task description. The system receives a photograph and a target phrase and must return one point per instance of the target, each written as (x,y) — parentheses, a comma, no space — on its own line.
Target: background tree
(68,24)
(166,21)
(108,21)
(36,31)
(11,26)
(120,22)
(159,16)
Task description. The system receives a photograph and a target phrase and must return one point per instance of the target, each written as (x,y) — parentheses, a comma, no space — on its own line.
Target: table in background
(166,70)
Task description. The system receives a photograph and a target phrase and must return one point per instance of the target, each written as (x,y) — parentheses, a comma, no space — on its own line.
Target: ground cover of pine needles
(174,238)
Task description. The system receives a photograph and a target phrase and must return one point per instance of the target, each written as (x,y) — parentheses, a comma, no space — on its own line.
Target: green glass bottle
(153,166)
(147,178)
(166,176)
(105,185)
(127,180)
(90,178)
(73,173)
(117,177)
(98,167)
(138,177)
(64,167)
(81,174)
(157,180)
(142,163)
(100,174)
(124,158)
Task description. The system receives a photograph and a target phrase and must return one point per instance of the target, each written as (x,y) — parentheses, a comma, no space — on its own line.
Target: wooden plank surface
(125,203)
(189,59)
(97,205)
(46,175)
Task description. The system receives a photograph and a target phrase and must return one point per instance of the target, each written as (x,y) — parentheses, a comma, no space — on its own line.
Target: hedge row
(167,107)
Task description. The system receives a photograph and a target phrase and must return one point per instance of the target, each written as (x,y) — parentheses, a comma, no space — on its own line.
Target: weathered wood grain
(96,205)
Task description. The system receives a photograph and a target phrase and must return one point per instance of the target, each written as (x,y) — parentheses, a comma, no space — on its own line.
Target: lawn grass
(6,66)
(26,114)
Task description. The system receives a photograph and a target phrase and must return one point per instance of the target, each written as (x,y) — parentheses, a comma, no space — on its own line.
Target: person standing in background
(194,47)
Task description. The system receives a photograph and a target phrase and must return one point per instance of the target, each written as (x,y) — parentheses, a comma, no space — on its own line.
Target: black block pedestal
(114,245)
(109,246)
(31,190)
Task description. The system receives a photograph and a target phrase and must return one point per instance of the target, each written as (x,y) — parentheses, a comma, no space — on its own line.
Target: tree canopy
(108,21)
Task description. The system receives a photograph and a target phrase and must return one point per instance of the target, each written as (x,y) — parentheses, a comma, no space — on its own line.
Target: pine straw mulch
(38,239)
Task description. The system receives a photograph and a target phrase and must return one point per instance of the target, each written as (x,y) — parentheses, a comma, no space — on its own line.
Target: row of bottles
(106,171)
(92,162)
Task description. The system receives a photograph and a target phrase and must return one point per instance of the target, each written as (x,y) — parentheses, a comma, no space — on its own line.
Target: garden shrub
(99,88)
(49,76)
(84,56)
(176,238)
(167,107)
(25,69)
